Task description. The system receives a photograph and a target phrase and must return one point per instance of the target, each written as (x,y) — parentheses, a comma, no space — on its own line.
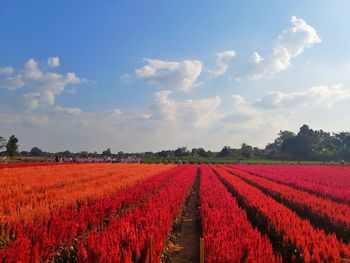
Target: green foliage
(107,152)
(35,151)
(247,151)
(2,142)
(12,146)
(310,144)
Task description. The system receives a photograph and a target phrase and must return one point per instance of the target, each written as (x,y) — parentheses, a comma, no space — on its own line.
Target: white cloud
(323,95)
(39,87)
(6,70)
(242,112)
(26,120)
(165,107)
(70,111)
(12,83)
(197,113)
(114,112)
(171,75)
(53,62)
(256,58)
(223,59)
(291,43)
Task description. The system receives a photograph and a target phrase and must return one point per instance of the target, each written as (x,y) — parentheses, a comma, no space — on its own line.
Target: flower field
(129,212)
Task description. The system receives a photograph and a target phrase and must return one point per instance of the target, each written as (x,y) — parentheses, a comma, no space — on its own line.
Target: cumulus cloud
(199,113)
(173,75)
(69,111)
(323,95)
(242,112)
(165,107)
(223,59)
(289,44)
(53,62)
(26,120)
(256,58)
(114,112)
(38,87)
(6,70)
(12,83)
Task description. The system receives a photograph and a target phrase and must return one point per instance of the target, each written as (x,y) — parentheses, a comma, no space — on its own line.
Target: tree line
(306,145)
(309,144)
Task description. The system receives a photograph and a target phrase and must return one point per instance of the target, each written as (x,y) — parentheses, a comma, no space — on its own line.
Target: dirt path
(185,247)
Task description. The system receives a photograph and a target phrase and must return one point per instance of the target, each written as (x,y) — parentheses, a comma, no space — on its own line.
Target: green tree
(247,151)
(35,151)
(225,152)
(180,152)
(202,153)
(2,142)
(12,146)
(107,152)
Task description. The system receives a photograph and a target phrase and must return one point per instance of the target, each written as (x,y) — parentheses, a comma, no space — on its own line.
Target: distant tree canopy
(309,144)
(35,151)
(12,146)
(247,151)
(2,142)
(107,152)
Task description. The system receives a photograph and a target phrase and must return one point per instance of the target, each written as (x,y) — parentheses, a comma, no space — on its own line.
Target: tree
(84,154)
(12,146)
(35,151)
(225,152)
(247,151)
(180,152)
(274,150)
(107,152)
(202,153)
(194,152)
(2,142)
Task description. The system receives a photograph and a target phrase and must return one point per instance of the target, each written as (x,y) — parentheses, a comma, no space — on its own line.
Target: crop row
(300,241)
(323,213)
(27,164)
(126,237)
(42,241)
(330,182)
(31,194)
(228,235)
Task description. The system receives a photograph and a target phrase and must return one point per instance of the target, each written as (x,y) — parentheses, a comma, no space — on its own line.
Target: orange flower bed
(31,194)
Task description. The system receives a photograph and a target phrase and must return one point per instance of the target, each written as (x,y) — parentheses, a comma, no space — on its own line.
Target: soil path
(185,247)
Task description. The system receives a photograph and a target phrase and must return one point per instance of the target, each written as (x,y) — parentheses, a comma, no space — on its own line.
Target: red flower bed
(311,244)
(325,212)
(228,235)
(28,164)
(331,182)
(36,242)
(125,238)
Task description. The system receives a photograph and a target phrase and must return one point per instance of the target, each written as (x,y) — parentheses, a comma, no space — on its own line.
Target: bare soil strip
(184,246)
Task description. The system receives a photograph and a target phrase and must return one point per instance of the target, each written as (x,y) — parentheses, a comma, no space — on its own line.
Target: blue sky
(151,75)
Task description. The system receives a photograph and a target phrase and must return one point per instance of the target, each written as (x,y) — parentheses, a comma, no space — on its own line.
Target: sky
(149,75)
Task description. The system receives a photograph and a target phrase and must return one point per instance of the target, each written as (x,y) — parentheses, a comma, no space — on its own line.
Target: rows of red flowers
(310,244)
(327,213)
(28,164)
(228,235)
(37,241)
(126,237)
(326,181)
(31,194)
